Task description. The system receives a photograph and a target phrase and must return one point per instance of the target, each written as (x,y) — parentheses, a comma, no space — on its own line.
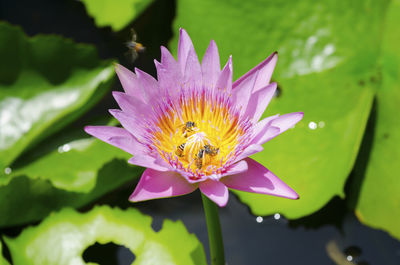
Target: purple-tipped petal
(168,73)
(210,66)
(260,126)
(259,101)
(225,78)
(131,123)
(250,150)
(129,82)
(131,105)
(144,160)
(273,126)
(168,60)
(192,73)
(263,71)
(115,136)
(259,179)
(269,133)
(242,93)
(263,131)
(287,121)
(168,82)
(149,84)
(239,167)
(185,45)
(215,191)
(155,184)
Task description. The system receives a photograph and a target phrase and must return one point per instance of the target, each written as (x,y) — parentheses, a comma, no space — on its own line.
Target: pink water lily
(195,128)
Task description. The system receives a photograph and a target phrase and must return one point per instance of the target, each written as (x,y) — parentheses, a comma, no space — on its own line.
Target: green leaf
(379,199)
(25,200)
(117,14)
(64,236)
(78,159)
(3,261)
(327,55)
(46,83)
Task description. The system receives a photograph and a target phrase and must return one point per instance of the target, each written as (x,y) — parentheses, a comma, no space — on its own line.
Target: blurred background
(60,190)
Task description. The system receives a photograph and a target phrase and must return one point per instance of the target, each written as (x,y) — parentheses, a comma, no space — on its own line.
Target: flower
(193,128)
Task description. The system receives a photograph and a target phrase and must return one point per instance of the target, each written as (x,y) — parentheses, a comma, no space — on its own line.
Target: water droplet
(321,124)
(277,216)
(259,219)
(349,258)
(312,125)
(64,148)
(8,170)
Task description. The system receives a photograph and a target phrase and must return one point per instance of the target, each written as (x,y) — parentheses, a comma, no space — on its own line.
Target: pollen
(199,134)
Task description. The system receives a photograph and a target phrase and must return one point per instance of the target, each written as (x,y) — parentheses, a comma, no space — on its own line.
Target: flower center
(199,135)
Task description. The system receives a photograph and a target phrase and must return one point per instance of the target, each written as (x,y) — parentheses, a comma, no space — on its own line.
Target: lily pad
(3,261)
(324,69)
(379,198)
(26,200)
(77,156)
(64,236)
(45,83)
(117,14)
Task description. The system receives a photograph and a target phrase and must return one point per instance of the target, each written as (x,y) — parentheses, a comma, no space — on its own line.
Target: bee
(133,46)
(199,158)
(188,127)
(180,149)
(206,150)
(210,150)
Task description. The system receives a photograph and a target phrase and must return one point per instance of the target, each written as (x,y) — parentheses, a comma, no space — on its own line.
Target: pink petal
(225,78)
(192,74)
(115,136)
(250,150)
(216,191)
(168,73)
(149,85)
(242,93)
(185,45)
(168,82)
(131,105)
(154,184)
(269,133)
(168,60)
(259,179)
(260,126)
(147,161)
(287,121)
(236,168)
(210,66)
(129,122)
(129,82)
(263,71)
(259,101)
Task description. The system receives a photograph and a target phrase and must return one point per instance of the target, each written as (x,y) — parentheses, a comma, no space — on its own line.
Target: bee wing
(131,55)
(134,35)
(134,55)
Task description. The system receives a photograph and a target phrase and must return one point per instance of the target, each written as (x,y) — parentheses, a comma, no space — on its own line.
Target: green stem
(214,231)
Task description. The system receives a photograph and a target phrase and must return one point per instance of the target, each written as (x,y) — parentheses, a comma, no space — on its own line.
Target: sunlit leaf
(379,197)
(25,200)
(63,237)
(77,158)
(3,261)
(115,13)
(327,58)
(45,83)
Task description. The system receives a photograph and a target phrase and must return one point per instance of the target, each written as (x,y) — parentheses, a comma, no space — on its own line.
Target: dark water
(272,241)
(248,239)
